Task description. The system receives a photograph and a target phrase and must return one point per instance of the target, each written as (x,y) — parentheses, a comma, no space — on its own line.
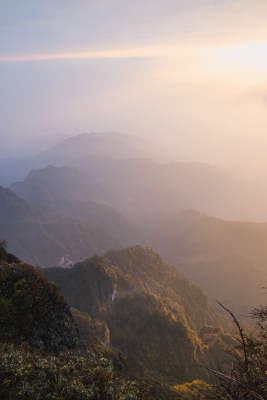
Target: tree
(247,378)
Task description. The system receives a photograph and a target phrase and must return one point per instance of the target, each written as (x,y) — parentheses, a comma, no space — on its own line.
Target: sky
(188,74)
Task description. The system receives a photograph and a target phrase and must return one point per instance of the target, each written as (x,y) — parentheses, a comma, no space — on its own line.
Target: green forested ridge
(33,310)
(124,302)
(153,313)
(148,272)
(36,329)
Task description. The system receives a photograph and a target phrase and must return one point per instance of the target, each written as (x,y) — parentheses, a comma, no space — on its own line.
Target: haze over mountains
(44,238)
(226,259)
(99,192)
(139,188)
(133,255)
(125,162)
(120,162)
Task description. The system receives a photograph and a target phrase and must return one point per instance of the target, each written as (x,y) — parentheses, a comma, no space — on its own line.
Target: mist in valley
(133,175)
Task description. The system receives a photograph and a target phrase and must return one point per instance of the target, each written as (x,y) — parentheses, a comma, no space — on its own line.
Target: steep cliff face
(145,270)
(88,286)
(33,310)
(152,312)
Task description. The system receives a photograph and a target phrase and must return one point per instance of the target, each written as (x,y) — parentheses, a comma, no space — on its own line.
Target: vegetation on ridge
(141,319)
(32,309)
(153,313)
(36,329)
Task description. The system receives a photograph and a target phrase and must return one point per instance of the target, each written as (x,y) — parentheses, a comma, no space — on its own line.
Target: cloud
(123,53)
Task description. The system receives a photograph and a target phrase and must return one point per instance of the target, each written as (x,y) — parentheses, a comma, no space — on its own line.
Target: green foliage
(29,375)
(151,310)
(143,269)
(26,298)
(94,331)
(196,390)
(87,286)
(155,342)
(217,346)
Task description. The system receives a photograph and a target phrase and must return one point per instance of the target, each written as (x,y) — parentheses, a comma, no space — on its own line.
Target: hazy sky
(191,73)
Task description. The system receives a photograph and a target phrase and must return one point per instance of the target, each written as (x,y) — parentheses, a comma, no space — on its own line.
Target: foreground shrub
(26,374)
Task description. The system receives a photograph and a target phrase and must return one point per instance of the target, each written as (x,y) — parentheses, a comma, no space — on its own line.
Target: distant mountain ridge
(67,191)
(43,238)
(202,186)
(114,144)
(111,144)
(140,189)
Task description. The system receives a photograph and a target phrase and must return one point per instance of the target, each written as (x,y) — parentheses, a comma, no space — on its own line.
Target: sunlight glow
(251,57)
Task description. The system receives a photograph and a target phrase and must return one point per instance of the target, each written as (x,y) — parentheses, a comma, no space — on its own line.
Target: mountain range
(107,196)
(139,188)
(89,211)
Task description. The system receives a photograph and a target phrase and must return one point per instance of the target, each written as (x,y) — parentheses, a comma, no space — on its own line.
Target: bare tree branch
(243,341)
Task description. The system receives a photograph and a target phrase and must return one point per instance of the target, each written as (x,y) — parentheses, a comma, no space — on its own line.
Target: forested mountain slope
(42,353)
(153,313)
